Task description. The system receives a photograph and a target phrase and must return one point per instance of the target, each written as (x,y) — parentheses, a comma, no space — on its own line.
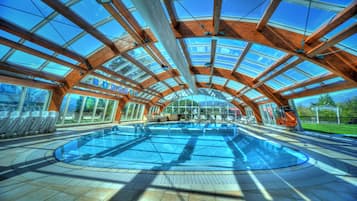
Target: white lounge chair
(24,124)
(13,123)
(36,123)
(4,122)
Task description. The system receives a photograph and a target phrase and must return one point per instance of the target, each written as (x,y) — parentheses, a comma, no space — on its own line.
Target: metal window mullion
(22,99)
(66,109)
(48,99)
(95,108)
(82,107)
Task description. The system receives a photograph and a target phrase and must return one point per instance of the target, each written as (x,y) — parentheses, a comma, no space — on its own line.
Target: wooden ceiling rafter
(242,56)
(273,67)
(32,37)
(217,8)
(340,18)
(79,21)
(267,14)
(21,47)
(15,68)
(311,81)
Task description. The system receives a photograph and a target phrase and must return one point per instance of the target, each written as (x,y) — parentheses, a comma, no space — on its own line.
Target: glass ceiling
(40,19)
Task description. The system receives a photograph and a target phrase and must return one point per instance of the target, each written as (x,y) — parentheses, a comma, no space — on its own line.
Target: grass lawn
(332,128)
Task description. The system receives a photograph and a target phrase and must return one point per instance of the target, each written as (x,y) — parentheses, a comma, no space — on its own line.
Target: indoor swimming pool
(177,147)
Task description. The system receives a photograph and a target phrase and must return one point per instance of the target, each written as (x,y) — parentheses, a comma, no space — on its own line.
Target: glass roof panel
(139,19)
(235,85)
(26,14)
(338,2)
(202,78)
(199,50)
(232,43)
(219,80)
(59,30)
(57,69)
(90,11)
(292,59)
(311,68)
(144,58)
(258,59)
(86,45)
(200,9)
(159,86)
(349,43)
(171,81)
(228,52)
(37,47)
(333,80)
(72,61)
(247,69)
(296,75)
(240,9)
(26,60)
(164,53)
(3,50)
(267,51)
(9,36)
(252,93)
(293,16)
(112,30)
(117,63)
(283,80)
(274,84)
(142,77)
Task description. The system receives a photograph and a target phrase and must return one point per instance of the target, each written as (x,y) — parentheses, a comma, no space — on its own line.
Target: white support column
(153,13)
(338,115)
(317,114)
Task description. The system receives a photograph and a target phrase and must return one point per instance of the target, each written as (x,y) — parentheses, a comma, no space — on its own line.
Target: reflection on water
(144,147)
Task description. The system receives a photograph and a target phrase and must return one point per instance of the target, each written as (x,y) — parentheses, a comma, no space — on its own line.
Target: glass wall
(250,115)
(21,98)
(78,109)
(154,110)
(330,113)
(132,112)
(203,108)
(269,113)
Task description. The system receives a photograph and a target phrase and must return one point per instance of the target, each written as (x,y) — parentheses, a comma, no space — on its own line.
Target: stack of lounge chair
(17,123)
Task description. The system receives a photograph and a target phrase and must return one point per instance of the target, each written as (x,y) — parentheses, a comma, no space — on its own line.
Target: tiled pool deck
(29,172)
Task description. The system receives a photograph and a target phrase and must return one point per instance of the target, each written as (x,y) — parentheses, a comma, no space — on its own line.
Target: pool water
(113,148)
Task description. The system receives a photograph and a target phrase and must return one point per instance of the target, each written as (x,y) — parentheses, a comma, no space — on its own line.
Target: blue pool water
(167,147)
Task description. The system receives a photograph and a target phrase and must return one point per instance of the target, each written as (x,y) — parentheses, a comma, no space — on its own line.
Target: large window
(132,112)
(269,113)
(20,98)
(78,109)
(331,113)
(203,107)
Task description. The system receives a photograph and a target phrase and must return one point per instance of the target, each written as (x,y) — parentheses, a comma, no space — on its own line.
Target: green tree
(325,100)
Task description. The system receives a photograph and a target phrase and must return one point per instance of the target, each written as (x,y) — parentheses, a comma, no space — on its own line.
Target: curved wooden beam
(235,76)
(277,38)
(245,99)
